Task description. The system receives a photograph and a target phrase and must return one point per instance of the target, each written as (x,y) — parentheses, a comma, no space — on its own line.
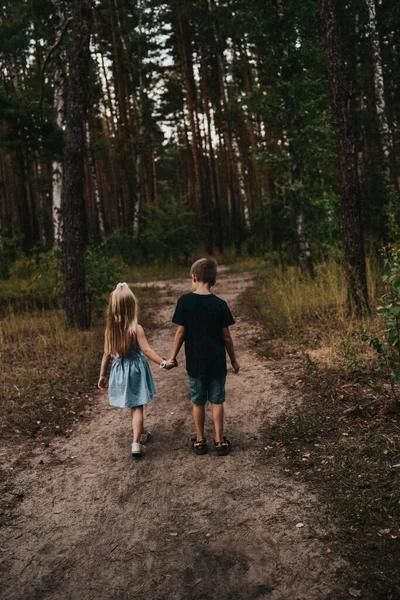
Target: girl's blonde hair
(122,320)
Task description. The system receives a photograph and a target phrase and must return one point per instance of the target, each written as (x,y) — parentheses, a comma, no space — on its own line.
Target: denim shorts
(205,388)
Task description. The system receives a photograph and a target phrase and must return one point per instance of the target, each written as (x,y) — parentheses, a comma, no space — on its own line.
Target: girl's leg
(137,423)
(199,419)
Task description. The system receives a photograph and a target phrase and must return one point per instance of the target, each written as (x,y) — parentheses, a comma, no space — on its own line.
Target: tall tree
(349,186)
(73,201)
(385,136)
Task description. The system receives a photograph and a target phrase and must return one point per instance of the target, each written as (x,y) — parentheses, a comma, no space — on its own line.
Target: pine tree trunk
(190,101)
(73,201)
(350,194)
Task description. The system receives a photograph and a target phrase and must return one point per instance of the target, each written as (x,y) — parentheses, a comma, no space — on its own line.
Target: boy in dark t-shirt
(203,322)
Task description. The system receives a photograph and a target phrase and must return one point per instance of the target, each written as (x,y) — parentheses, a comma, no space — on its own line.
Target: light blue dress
(131,382)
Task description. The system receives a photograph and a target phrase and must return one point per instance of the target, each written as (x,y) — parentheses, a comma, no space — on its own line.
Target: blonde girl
(131,383)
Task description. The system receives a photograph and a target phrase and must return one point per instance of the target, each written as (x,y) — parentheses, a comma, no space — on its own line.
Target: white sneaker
(137,449)
(144,438)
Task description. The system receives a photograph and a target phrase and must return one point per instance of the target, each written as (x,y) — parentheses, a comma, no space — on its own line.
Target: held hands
(102,383)
(171,364)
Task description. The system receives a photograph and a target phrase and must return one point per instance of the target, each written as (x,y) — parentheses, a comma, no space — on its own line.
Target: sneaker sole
(200,451)
(137,454)
(224,452)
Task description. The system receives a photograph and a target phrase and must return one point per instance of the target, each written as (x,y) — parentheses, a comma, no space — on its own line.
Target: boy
(203,322)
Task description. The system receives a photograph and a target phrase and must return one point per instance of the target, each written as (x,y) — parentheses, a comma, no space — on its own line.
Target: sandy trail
(97,525)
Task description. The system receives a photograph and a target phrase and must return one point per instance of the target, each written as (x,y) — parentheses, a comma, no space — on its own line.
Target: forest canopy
(209,124)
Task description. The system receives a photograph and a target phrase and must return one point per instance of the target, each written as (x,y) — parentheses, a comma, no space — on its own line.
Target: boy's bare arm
(178,341)
(226,334)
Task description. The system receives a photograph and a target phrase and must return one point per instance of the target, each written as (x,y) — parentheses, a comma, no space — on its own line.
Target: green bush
(39,276)
(7,254)
(37,280)
(102,274)
(387,346)
(165,235)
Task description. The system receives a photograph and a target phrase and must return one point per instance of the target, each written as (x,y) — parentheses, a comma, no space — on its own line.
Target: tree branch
(46,60)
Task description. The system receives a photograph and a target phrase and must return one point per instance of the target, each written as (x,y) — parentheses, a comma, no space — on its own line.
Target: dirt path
(96,525)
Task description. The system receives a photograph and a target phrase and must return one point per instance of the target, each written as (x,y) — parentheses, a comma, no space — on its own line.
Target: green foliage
(39,276)
(393,216)
(121,245)
(387,345)
(102,273)
(37,280)
(7,254)
(166,235)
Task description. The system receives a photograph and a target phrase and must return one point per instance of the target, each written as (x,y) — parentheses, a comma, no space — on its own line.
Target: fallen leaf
(194,582)
(354,593)
(383,531)
(300,525)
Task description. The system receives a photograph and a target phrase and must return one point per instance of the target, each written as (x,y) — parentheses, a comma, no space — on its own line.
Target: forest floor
(86,521)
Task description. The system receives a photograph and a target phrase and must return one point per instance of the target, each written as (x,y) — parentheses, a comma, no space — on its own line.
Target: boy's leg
(217,399)
(199,414)
(198,393)
(137,423)
(218,418)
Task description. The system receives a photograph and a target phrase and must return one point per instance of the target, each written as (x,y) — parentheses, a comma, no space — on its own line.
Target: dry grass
(48,371)
(290,302)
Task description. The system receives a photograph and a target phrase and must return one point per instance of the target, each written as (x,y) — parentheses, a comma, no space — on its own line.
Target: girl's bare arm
(145,346)
(103,381)
(226,334)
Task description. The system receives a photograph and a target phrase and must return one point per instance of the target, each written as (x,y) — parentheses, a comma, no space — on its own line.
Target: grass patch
(285,301)
(48,372)
(154,272)
(170,270)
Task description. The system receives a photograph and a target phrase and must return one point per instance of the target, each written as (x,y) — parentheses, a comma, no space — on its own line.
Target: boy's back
(204,316)
(203,325)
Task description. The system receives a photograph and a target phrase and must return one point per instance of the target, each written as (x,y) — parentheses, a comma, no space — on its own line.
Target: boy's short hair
(205,270)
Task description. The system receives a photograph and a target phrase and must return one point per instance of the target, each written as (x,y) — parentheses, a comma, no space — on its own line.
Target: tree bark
(350,194)
(73,201)
(379,91)
(58,105)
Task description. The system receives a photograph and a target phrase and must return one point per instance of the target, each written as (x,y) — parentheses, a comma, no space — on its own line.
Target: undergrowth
(345,439)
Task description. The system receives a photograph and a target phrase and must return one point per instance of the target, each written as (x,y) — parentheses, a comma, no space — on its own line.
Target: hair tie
(121,285)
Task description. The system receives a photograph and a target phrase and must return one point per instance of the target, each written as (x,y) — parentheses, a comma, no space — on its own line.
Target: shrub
(387,346)
(102,273)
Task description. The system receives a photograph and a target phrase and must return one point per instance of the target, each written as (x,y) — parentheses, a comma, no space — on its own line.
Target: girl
(131,383)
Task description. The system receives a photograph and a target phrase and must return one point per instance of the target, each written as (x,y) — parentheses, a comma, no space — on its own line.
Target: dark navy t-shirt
(203,317)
